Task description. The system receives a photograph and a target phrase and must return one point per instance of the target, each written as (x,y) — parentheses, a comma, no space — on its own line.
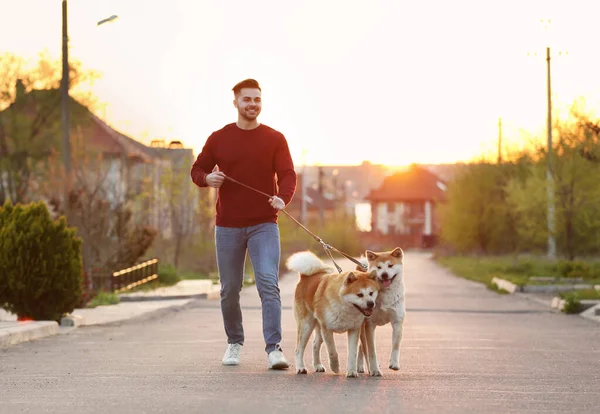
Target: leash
(328,248)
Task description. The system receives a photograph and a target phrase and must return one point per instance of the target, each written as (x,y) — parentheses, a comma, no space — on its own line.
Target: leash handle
(326,246)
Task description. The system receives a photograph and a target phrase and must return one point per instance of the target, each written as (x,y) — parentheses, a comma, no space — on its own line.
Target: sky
(387,81)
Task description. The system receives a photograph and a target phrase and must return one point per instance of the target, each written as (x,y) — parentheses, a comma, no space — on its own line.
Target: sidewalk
(132,305)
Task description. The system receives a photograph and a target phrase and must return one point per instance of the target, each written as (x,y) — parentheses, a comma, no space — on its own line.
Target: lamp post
(549,180)
(65,113)
(64,95)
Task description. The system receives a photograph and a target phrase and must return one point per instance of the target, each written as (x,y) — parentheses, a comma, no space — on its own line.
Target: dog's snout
(370,304)
(385,276)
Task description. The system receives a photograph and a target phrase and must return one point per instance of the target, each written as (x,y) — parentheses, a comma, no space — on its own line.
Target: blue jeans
(262,243)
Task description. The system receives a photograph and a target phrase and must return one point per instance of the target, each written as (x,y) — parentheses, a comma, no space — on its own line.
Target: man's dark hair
(246,83)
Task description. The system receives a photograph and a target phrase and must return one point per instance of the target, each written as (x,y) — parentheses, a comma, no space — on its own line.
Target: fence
(134,276)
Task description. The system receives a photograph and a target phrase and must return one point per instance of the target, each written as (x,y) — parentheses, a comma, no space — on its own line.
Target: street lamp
(64,93)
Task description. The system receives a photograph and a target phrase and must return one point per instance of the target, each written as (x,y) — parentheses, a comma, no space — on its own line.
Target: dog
(328,303)
(390,308)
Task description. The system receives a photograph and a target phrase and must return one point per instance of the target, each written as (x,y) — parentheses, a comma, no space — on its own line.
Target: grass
(584,294)
(103,299)
(518,270)
(480,269)
(191,275)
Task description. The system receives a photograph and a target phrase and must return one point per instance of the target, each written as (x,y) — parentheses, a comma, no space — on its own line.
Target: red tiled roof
(416,183)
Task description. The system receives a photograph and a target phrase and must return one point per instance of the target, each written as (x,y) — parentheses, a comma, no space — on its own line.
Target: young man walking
(259,157)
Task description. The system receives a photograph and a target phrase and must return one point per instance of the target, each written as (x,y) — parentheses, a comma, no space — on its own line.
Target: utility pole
(500,140)
(549,179)
(65,115)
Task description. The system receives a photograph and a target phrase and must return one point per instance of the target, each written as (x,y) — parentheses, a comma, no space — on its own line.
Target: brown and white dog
(390,308)
(328,302)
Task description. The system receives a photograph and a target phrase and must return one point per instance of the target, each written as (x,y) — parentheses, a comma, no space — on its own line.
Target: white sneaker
(277,360)
(232,354)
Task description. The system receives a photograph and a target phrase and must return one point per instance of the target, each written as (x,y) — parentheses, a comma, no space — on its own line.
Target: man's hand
(215,179)
(277,203)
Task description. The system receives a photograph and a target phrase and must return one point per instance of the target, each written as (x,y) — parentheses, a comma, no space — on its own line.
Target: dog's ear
(398,253)
(370,255)
(350,278)
(373,275)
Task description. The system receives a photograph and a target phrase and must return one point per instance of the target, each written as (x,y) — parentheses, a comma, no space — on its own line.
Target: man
(259,157)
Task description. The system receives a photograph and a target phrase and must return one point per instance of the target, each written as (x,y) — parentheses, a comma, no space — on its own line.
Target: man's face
(248,103)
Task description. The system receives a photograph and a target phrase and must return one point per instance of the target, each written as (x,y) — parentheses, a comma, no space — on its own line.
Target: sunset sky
(391,82)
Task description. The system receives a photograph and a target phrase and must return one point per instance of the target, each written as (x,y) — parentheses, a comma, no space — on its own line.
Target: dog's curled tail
(306,263)
(364,261)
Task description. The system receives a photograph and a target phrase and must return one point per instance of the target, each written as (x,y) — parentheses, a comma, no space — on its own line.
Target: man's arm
(203,165)
(286,175)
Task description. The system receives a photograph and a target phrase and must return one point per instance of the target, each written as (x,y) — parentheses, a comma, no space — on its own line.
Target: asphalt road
(465,350)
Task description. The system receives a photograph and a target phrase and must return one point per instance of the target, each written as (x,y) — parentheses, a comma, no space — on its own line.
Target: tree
(30,118)
(182,208)
(100,208)
(577,191)
(476,216)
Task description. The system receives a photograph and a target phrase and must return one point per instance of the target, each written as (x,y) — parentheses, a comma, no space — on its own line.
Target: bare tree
(30,118)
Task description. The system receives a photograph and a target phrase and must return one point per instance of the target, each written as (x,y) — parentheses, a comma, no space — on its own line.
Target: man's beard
(247,117)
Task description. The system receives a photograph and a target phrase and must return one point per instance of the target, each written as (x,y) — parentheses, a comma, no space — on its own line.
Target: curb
(512,287)
(149,315)
(143,298)
(27,331)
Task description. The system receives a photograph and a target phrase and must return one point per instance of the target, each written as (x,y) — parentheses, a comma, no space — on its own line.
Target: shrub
(40,263)
(167,275)
(572,304)
(573,269)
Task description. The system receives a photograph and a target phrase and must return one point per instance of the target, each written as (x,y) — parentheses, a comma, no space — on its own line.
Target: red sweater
(259,158)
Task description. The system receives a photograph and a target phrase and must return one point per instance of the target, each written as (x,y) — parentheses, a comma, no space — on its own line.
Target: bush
(572,304)
(40,263)
(573,269)
(167,275)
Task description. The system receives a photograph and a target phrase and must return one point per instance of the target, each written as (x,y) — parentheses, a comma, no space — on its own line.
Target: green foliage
(476,217)
(497,209)
(574,269)
(40,262)
(572,304)
(104,299)
(167,275)
(575,169)
(30,118)
(583,294)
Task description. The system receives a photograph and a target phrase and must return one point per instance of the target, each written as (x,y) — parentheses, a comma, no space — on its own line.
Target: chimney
(20,87)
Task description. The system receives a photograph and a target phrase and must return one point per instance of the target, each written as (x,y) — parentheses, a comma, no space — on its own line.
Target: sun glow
(388,82)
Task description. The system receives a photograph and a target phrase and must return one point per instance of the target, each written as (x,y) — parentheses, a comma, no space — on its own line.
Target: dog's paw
(395,366)
(319,368)
(334,364)
(352,374)
(360,367)
(375,373)
(302,371)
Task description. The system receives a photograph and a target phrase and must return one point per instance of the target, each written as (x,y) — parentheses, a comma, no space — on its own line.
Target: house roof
(314,199)
(101,135)
(414,184)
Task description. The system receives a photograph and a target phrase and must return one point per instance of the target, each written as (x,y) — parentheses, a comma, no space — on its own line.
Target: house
(341,187)
(318,205)
(404,208)
(113,166)
(172,205)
